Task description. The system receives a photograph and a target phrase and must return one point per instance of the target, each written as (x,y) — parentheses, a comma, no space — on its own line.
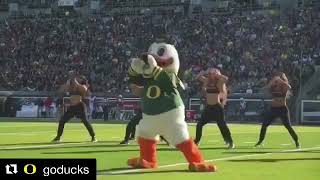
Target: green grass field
(277,159)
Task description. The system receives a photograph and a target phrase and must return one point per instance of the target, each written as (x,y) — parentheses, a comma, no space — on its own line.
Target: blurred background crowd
(36,53)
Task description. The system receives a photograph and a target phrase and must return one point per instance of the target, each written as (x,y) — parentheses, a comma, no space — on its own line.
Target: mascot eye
(161,51)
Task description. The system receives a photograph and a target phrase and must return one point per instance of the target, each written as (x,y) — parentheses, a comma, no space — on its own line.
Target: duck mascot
(155,75)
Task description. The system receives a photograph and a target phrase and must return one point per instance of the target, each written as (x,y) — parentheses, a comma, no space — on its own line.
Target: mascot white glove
(137,65)
(149,66)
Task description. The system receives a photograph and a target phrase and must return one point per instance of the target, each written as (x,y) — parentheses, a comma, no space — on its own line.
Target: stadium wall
(31,104)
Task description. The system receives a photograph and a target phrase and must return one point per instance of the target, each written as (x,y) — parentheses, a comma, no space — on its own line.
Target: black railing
(141,3)
(4,6)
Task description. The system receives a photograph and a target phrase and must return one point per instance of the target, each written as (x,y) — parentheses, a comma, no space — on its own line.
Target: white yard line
(249,142)
(29,125)
(35,132)
(218,159)
(213,141)
(42,146)
(256,132)
(42,132)
(42,124)
(285,144)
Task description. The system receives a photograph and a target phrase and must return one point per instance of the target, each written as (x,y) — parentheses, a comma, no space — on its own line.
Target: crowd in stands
(37,53)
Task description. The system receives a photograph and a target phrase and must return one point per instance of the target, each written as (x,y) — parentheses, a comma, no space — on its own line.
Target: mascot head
(166,56)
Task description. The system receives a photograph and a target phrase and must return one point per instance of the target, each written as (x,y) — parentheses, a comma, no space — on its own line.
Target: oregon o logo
(25,169)
(153,92)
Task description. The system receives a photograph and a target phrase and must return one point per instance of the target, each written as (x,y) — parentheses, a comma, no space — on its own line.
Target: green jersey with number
(160,92)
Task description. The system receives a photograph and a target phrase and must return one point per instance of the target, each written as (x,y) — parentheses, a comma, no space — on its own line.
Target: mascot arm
(137,80)
(180,84)
(136,67)
(150,68)
(135,72)
(137,90)
(136,83)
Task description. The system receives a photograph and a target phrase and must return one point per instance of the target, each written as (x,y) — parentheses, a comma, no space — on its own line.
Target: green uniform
(160,91)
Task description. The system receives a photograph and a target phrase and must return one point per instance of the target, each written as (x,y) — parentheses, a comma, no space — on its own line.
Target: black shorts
(212,113)
(277,112)
(79,110)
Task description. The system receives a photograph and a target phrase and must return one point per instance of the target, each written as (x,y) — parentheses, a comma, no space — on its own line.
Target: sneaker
(231,146)
(56,140)
(124,142)
(259,144)
(94,139)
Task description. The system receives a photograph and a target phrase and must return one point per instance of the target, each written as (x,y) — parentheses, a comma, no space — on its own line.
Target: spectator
(35,52)
(48,105)
(242,109)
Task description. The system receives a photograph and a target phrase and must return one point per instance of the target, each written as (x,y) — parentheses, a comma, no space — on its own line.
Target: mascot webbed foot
(202,167)
(141,163)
